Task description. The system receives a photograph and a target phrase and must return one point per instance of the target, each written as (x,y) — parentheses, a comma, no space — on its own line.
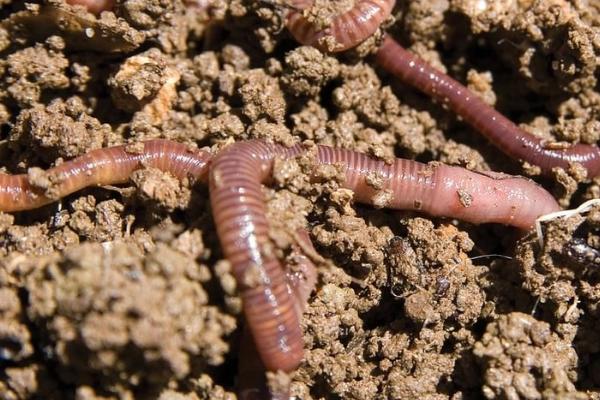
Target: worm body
(442,190)
(236,174)
(240,217)
(302,279)
(499,130)
(108,166)
(347,29)
(239,214)
(94,6)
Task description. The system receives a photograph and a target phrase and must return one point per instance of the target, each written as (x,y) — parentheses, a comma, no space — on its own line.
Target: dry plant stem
(348,29)
(108,166)
(501,132)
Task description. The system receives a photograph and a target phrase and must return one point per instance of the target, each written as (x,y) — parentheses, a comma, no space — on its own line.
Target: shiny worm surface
(499,130)
(239,213)
(302,279)
(94,6)
(238,210)
(108,166)
(347,29)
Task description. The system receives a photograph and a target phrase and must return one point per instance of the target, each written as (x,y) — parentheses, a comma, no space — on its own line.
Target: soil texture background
(123,292)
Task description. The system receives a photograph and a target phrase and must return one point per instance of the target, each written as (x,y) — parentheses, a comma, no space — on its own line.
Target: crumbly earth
(123,292)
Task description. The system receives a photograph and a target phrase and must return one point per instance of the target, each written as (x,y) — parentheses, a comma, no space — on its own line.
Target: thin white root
(582,209)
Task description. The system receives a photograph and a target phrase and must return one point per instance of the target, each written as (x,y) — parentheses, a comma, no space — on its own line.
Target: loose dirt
(123,292)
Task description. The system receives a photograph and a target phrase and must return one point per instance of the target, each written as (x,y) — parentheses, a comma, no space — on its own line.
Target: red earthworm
(238,208)
(112,165)
(94,6)
(240,218)
(301,282)
(239,214)
(347,29)
(354,26)
(442,190)
(501,132)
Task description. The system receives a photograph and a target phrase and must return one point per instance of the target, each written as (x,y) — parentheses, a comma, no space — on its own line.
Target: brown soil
(123,293)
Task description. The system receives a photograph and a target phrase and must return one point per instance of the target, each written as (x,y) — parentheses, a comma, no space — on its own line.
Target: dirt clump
(32,70)
(63,129)
(523,358)
(160,320)
(124,293)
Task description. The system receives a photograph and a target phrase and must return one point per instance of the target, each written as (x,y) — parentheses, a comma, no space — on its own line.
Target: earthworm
(355,25)
(240,218)
(239,214)
(347,29)
(94,6)
(301,279)
(442,190)
(238,209)
(499,130)
(107,166)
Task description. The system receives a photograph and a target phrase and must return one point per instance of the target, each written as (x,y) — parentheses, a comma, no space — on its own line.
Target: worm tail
(499,130)
(107,166)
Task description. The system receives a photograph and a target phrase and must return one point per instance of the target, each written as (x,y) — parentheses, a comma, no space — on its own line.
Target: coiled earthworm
(238,209)
(239,214)
(501,132)
(94,6)
(347,29)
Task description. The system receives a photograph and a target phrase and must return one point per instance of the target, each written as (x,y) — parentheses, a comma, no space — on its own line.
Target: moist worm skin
(240,217)
(302,280)
(94,6)
(239,214)
(499,130)
(348,29)
(442,190)
(238,209)
(107,166)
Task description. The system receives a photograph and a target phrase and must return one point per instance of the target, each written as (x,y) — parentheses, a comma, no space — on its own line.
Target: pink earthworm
(107,166)
(239,213)
(302,279)
(356,25)
(499,130)
(238,209)
(94,6)
(347,29)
